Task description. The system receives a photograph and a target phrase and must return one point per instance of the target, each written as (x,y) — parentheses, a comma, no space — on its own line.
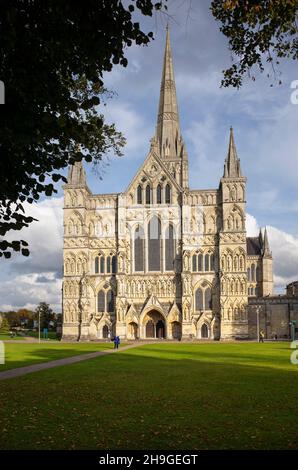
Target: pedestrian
(109,336)
(262,336)
(115,342)
(118,341)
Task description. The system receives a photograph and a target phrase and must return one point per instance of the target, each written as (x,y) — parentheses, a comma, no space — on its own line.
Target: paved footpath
(12,373)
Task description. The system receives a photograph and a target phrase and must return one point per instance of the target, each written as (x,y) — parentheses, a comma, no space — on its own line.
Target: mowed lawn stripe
(24,354)
(159,396)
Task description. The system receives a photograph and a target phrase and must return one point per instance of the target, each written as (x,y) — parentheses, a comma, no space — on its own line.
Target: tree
(4,325)
(45,313)
(25,317)
(12,318)
(258,31)
(52,58)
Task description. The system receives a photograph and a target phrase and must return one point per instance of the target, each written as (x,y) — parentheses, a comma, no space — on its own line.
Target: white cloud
(132,124)
(252,226)
(44,237)
(25,292)
(284,248)
(201,136)
(26,281)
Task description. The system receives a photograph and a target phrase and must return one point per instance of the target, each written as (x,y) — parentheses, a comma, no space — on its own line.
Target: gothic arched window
(212,262)
(199,299)
(207,299)
(102,264)
(253,273)
(139,194)
(169,248)
(204,331)
(194,263)
(148,194)
(154,244)
(200,262)
(158,194)
(139,249)
(248,274)
(96,265)
(109,265)
(168,194)
(207,257)
(114,264)
(101,301)
(110,301)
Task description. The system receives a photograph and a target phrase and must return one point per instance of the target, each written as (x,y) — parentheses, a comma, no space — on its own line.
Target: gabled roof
(253,245)
(153,156)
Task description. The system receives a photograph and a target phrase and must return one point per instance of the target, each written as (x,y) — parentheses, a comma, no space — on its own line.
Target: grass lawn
(24,354)
(159,396)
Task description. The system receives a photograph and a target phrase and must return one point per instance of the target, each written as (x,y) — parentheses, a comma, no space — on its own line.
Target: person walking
(262,336)
(118,342)
(115,342)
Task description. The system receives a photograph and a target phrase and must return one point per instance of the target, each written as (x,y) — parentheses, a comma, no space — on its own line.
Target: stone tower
(232,248)
(267,268)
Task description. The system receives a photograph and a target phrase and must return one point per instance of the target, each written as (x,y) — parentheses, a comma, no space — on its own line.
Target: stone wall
(275,313)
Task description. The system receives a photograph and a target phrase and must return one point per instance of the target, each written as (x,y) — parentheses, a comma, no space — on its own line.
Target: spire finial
(76,172)
(168,130)
(266,248)
(232,168)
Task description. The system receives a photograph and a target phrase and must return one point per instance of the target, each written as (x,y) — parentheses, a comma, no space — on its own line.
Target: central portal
(154,325)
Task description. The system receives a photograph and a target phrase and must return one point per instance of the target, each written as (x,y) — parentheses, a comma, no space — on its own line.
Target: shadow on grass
(17,356)
(131,400)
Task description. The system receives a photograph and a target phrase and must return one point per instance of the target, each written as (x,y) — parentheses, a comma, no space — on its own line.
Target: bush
(4,327)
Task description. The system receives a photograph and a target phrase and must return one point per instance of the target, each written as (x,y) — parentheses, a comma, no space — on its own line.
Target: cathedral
(162,260)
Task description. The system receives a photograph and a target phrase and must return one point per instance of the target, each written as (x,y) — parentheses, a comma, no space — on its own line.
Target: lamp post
(39,326)
(292,325)
(258,323)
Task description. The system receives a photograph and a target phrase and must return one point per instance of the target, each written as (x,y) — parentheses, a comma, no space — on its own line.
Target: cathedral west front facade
(161,260)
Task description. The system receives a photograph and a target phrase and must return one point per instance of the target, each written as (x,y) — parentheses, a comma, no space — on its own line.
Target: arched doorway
(155,326)
(160,329)
(176,330)
(132,330)
(204,331)
(105,331)
(150,329)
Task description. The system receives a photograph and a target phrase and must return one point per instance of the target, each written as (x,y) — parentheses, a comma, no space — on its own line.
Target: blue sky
(265,128)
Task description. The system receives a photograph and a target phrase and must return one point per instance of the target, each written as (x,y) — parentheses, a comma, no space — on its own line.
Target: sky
(265,128)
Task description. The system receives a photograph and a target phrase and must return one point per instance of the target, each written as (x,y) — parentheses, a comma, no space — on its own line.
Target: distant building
(161,260)
(276,312)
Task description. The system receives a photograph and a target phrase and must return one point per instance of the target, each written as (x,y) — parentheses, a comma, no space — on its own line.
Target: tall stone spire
(76,174)
(168,129)
(266,248)
(232,163)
